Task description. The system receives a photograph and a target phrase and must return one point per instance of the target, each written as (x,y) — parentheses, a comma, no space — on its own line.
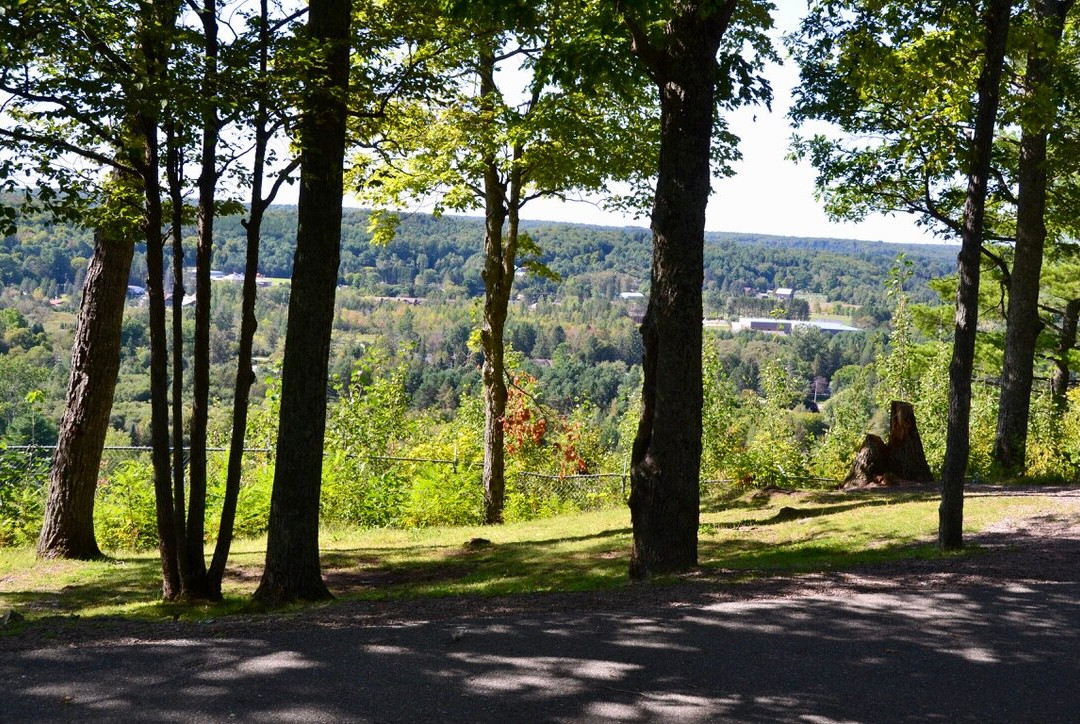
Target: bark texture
(292,569)
(901,459)
(666,456)
(907,458)
(502,204)
(1023,323)
(957,443)
(870,464)
(156,25)
(1059,383)
(245,374)
(68,530)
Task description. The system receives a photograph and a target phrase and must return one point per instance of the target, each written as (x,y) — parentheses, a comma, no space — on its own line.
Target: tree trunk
(175,167)
(1059,384)
(68,530)
(245,375)
(870,464)
(500,204)
(168,544)
(292,552)
(901,459)
(907,459)
(195,582)
(156,24)
(666,458)
(1023,324)
(957,444)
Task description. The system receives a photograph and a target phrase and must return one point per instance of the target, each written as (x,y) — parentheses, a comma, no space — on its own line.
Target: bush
(125,513)
(440,496)
(23,486)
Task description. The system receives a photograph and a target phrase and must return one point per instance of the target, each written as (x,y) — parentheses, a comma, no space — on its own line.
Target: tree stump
(901,459)
(871,463)
(907,459)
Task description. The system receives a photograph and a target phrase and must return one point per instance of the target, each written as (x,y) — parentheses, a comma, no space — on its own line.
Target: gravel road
(985,638)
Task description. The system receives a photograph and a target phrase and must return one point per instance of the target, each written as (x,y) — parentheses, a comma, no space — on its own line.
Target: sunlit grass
(748,535)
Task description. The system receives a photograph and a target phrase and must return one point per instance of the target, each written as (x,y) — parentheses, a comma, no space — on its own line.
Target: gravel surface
(985,637)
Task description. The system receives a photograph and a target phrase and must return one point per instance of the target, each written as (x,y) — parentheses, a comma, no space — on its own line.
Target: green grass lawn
(754,534)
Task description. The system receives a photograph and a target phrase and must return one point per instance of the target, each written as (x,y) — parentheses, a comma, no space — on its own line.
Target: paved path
(987,652)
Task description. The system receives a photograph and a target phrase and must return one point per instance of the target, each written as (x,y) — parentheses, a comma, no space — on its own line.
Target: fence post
(622,478)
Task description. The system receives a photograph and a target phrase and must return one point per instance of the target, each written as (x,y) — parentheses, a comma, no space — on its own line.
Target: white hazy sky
(768,194)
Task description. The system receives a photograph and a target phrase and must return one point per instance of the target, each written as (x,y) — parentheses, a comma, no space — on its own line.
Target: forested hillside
(443,256)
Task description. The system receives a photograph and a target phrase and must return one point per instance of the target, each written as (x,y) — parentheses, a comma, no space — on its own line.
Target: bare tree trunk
(1059,384)
(168,544)
(175,167)
(870,464)
(500,205)
(957,443)
(195,582)
(155,30)
(1023,323)
(68,530)
(666,457)
(907,458)
(292,552)
(245,375)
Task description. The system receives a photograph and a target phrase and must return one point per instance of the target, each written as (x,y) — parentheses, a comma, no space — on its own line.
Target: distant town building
(631,296)
(785,326)
(784,293)
(134,291)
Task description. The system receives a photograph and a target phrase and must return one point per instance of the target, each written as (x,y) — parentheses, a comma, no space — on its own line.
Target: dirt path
(985,637)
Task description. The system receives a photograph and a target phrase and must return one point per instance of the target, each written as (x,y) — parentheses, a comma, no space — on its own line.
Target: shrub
(23,486)
(125,513)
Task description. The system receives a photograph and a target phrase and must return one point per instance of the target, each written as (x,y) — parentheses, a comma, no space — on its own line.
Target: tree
(264,128)
(679,51)
(68,527)
(479,142)
(900,79)
(996,17)
(292,552)
(69,70)
(1037,118)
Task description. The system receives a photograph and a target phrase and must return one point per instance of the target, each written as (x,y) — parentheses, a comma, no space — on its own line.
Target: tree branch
(65,146)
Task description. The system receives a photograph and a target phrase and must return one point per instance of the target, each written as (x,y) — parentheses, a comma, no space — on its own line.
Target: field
(746,536)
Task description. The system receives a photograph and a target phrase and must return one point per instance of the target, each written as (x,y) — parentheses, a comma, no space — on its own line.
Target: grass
(756,534)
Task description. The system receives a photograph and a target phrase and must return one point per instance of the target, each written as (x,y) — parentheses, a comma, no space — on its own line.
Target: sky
(768,194)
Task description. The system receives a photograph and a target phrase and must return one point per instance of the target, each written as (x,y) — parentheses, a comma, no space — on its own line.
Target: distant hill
(445,253)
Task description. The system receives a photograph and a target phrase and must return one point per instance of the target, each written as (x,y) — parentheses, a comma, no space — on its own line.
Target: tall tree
(679,50)
(996,18)
(265,125)
(68,527)
(292,552)
(72,73)
(916,85)
(532,104)
(1037,117)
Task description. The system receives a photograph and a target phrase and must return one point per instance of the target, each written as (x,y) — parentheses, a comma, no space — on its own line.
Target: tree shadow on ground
(894,651)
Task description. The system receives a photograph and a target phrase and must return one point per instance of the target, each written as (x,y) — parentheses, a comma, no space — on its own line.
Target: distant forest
(442,256)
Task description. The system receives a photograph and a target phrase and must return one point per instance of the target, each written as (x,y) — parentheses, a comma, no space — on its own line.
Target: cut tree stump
(901,459)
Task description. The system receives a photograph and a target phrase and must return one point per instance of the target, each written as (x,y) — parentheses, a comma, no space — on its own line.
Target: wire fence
(587,491)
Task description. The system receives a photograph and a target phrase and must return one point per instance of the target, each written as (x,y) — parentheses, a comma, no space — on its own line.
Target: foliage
(895,369)
(848,415)
(125,513)
(23,485)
